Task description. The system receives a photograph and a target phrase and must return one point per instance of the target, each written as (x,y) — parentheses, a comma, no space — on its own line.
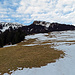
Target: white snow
(30,45)
(7,25)
(62,66)
(46,24)
(39,36)
(4,28)
(37,44)
(9,45)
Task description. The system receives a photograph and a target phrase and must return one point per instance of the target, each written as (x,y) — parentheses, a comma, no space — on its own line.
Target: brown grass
(25,42)
(23,56)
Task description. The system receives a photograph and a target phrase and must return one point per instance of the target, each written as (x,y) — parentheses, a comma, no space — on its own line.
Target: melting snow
(63,66)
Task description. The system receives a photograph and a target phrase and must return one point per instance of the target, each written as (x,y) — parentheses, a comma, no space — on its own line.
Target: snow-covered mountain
(44,27)
(37,27)
(6,25)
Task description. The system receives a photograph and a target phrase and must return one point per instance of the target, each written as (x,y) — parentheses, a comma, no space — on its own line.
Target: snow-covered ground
(63,40)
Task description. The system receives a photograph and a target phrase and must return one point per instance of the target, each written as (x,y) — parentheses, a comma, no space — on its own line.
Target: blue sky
(26,11)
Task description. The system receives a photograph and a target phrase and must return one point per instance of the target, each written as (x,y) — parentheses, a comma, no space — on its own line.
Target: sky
(26,11)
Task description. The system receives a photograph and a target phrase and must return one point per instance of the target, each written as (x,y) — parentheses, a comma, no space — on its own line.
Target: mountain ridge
(47,26)
(44,27)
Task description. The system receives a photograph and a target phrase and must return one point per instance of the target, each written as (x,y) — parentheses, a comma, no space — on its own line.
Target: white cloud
(62,11)
(2,16)
(7,9)
(48,10)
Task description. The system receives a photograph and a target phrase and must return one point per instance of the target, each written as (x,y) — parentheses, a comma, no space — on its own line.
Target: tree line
(11,36)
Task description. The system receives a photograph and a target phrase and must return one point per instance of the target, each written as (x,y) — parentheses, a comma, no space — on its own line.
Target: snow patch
(43,23)
(37,44)
(9,45)
(30,45)
(6,25)
(39,36)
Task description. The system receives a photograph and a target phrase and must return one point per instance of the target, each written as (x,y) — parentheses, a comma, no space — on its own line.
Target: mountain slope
(36,27)
(43,27)
(12,33)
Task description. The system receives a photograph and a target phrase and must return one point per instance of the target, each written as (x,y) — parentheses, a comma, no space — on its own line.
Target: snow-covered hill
(6,25)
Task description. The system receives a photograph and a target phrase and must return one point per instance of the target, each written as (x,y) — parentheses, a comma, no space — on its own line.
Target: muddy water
(64,40)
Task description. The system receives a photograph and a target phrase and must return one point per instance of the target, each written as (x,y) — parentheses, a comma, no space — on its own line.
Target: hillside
(41,53)
(47,51)
(12,33)
(44,27)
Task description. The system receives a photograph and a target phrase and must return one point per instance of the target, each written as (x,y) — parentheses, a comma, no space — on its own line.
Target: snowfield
(63,40)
